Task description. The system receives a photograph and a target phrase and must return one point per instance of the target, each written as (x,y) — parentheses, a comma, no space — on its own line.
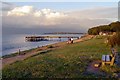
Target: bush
(114,40)
(50,46)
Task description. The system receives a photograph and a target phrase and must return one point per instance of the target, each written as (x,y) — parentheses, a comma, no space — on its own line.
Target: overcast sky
(42,17)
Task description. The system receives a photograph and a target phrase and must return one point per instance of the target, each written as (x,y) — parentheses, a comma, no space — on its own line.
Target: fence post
(19,51)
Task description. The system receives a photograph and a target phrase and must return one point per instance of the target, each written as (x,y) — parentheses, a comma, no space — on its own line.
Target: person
(71,40)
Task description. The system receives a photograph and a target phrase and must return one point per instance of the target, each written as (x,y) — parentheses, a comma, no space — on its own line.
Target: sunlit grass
(69,61)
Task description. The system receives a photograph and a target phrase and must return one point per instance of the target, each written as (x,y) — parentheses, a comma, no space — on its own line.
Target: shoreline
(12,54)
(31,52)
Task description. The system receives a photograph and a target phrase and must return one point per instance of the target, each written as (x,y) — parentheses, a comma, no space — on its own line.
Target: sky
(60,0)
(41,17)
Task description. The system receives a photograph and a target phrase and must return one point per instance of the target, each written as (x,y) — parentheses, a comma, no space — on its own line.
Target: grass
(69,61)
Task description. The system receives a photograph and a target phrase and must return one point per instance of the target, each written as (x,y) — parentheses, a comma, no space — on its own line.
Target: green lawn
(69,61)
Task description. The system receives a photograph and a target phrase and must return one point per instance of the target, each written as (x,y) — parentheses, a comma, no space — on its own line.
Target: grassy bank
(69,61)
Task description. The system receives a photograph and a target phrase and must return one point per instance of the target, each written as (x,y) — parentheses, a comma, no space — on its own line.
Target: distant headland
(65,33)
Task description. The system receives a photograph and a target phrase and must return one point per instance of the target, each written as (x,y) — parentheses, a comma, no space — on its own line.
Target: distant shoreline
(64,33)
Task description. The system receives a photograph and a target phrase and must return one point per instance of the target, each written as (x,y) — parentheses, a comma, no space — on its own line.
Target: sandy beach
(10,60)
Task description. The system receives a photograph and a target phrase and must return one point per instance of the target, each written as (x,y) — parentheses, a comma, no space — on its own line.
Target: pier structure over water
(46,38)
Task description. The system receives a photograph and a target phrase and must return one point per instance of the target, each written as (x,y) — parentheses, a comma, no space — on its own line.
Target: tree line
(112,27)
(113,40)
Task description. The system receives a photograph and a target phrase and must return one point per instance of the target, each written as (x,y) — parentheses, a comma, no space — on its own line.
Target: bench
(107,59)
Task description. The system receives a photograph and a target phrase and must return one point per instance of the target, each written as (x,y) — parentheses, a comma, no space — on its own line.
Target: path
(94,70)
(21,57)
(10,60)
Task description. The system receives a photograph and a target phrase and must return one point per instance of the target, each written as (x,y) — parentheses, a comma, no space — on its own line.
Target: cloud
(20,11)
(38,17)
(46,19)
(28,10)
(37,13)
(46,11)
(7,6)
(55,15)
(96,13)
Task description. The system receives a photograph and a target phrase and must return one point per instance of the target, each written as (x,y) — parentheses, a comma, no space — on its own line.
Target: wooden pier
(46,38)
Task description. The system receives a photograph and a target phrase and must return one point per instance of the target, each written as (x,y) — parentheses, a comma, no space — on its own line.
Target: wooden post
(19,51)
(103,60)
(112,61)
(103,63)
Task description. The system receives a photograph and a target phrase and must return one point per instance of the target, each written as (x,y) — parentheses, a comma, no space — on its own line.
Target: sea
(12,43)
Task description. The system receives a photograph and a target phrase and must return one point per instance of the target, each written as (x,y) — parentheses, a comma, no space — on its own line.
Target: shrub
(114,40)
(50,46)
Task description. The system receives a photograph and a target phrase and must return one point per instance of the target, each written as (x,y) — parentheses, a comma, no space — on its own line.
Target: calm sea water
(12,43)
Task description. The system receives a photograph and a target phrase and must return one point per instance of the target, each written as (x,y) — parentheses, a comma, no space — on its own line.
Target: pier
(46,38)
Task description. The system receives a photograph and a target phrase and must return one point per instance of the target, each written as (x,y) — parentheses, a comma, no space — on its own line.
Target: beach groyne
(47,38)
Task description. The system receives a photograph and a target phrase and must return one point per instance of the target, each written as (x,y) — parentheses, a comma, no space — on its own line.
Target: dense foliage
(113,27)
(115,40)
